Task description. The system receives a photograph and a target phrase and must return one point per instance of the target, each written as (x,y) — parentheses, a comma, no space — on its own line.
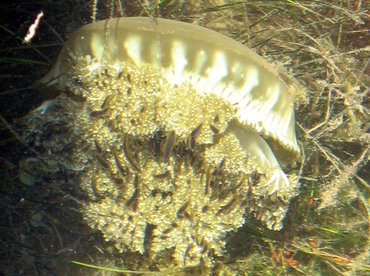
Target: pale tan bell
(210,62)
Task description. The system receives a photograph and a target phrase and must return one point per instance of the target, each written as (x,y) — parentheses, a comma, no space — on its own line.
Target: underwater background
(321,46)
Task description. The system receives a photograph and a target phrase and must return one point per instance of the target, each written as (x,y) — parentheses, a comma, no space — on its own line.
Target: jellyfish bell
(211,62)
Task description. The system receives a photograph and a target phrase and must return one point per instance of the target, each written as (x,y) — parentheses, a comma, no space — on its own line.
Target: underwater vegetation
(197,192)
